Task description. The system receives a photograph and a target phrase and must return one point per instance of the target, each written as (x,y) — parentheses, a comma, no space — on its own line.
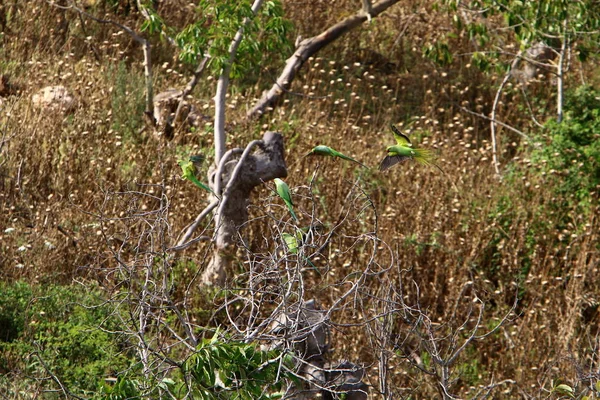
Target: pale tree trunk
(148,77)
(222,86)
(560,69)
(309,47)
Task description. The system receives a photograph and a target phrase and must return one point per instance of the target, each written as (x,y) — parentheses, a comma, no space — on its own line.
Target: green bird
(403,151)
(293,242)
(197,160)
(328,151)
(189,173)
(284,192)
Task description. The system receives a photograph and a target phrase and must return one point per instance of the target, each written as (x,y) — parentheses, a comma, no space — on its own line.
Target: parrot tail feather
(424,156)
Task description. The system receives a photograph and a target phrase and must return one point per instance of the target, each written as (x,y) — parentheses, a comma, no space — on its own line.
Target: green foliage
(438,52)
(223,370)
(562,389)
(265,34)
(154,23)
(127,102)
(123,389)
(13,304)
(471,370)
(571,154)
(530,21)
(60,330)
(217,370)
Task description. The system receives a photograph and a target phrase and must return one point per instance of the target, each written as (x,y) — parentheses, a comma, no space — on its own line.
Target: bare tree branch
(222,85)
(146,48)
(309,47)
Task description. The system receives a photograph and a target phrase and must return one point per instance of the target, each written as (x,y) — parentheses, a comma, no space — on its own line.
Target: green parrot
(284,192)
(293,242)
(189,173)
(403,151)
(328,151)
(197,160)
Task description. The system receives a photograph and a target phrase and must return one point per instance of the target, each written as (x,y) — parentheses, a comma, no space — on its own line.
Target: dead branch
(309,47)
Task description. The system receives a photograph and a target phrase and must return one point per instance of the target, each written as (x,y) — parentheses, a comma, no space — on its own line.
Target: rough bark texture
(536,58)
(265,163)
(172,112)
(305,329)
(309,47)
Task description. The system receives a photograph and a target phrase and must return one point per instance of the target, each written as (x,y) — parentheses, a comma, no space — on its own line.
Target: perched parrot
(293,242)
(404,151)
(284,192)
(189,173)
(328,151)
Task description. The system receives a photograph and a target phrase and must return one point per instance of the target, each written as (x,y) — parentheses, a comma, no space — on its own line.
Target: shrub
(59,330)
(571,152)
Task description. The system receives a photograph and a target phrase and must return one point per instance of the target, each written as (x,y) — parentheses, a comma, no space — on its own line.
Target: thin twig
(183,242)
(493,122)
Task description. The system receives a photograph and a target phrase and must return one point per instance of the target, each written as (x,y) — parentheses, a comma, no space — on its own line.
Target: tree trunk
(240,176)
(223,84)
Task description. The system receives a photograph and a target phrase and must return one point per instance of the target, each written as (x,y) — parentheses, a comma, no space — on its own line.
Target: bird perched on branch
(296,242)
(302,236)
(284,192)
(403,151)
(328,151)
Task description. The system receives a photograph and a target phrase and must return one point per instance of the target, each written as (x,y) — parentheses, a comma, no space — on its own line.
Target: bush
(58,330)
(216,370)
(571,153)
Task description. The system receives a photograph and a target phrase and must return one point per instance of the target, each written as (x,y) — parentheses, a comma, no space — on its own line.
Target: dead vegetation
(76,188)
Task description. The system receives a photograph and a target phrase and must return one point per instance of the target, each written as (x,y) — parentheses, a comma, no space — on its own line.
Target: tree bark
(223,84)
(263,160)
(309,47)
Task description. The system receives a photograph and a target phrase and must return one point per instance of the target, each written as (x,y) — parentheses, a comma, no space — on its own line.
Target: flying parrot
(284,192)
(189,173)
(403,151)
(197,160)
(328,151)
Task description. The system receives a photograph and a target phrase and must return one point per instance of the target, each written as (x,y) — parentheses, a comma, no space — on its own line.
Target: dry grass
(456,236)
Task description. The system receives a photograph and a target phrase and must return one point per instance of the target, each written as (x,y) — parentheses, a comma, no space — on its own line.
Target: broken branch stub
(262,161)
(304,329)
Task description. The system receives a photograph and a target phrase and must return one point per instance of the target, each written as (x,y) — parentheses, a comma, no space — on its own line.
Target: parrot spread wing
(197,159)
(400,137)
(390,161)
